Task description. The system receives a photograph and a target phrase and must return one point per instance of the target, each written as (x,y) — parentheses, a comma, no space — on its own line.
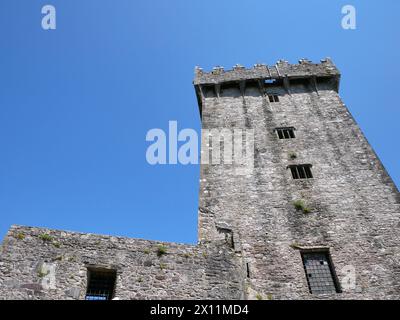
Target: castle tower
(318,215)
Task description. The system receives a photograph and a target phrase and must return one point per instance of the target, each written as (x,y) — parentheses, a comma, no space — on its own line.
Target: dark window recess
(269,81)
(101,284)
(302,171)
(248,270)
(319,272)
(285,133)
(273,98)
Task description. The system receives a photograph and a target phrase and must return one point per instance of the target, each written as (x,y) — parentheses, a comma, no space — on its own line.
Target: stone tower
(319,212)
(314,216)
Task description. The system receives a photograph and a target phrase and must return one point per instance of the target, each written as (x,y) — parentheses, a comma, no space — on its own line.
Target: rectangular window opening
(321,278)
(286,133)
(301,171)
(101,284)
(273,98)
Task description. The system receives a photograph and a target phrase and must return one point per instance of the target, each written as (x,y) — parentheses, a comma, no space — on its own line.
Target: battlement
(282,69)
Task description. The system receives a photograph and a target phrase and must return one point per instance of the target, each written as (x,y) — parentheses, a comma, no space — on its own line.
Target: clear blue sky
(76,102)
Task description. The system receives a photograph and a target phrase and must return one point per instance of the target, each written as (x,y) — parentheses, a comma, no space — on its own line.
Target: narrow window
(301,171)
(308,172)
(101,284)
(319,271)
(285,133)
(295,173)
(273,98)
(248,270)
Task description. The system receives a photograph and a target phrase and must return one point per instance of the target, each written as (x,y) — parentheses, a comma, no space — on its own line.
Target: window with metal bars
(285,133)
(301,171)
(273,98)
(319,271)
(101,284)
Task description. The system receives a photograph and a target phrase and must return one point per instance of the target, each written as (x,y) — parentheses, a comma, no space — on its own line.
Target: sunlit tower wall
(318,216)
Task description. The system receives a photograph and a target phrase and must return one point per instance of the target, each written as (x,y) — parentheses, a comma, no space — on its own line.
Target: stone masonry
(251,232)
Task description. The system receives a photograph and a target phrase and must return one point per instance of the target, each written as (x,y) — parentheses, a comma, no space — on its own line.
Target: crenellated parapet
(261,75)
(282,69)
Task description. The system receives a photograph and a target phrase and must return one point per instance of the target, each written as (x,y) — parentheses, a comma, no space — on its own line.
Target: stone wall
(40,263)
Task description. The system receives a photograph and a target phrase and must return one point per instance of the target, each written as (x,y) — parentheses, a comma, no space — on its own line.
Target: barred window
(319,272)
(273,98)
(285,133)
(302,171)
(101,284)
